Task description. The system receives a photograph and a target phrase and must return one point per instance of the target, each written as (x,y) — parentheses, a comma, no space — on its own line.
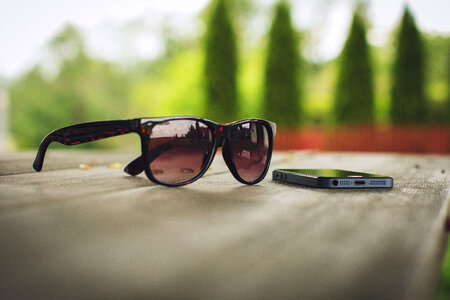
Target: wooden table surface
(99,233)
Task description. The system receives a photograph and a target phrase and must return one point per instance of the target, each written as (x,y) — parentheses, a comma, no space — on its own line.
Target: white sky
(27,25)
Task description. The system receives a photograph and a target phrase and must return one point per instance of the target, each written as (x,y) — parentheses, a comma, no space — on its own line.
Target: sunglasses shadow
(139,181)
(214,196)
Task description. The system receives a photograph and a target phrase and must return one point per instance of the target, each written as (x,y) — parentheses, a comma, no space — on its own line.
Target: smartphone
(332,179)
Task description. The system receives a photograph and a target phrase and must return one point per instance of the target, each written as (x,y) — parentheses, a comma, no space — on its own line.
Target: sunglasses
(179,150)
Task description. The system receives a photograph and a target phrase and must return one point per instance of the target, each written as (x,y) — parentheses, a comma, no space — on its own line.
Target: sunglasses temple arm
(135,167)
(138,165)
(83,133)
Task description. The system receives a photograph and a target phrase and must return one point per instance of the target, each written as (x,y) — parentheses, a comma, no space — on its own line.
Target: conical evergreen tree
(408,74)
(221,65)
(354,94)
(281,94)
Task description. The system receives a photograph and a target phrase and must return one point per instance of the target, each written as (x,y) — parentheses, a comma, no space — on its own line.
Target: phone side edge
(286,176)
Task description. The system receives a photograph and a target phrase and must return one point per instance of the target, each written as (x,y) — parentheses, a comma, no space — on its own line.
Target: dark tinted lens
(250,147)
(179,149)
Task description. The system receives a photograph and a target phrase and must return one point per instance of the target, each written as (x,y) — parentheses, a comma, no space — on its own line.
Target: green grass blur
(444,282)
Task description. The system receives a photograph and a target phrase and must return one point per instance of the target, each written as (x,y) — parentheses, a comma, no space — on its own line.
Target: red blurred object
(413,139)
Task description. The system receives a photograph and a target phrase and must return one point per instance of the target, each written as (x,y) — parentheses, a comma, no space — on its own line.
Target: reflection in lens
(179,149)
(250,147)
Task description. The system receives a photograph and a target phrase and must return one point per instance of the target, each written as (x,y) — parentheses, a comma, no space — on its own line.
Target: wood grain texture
(100,233)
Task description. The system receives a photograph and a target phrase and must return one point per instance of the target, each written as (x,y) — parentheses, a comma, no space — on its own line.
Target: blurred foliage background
(217,75)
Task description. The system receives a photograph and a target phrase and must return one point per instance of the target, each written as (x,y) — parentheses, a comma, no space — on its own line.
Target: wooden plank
(22,162)
(98,233)
(66,183)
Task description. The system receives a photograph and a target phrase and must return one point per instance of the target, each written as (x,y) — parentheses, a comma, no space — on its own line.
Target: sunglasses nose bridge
(221,135)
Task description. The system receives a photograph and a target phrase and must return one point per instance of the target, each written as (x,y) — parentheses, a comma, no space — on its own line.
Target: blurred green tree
(242,10)
(354,92)
(408,102)
(221,65)
(84,89)
(447,115)
(437,49)
(281,82)
(29,122)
